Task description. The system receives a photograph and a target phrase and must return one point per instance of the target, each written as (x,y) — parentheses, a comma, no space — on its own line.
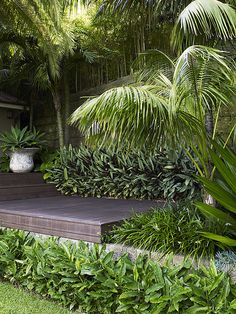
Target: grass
(17,301)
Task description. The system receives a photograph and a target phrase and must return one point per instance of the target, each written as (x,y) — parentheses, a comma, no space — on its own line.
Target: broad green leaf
(216,213)
(222,239)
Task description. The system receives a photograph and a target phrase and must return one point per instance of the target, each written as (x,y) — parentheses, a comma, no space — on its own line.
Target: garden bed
(93,281)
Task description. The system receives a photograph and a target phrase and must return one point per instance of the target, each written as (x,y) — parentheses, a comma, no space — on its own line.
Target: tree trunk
(209,127)
(107,72)
(57,105)
(31,120)
(60,129)
(76,79)
(67,107)
(209,122)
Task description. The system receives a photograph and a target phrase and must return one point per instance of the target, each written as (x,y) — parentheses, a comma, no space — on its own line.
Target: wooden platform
(69,216)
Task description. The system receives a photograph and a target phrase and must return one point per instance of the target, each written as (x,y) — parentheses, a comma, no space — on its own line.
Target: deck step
(13,179)
(24,186)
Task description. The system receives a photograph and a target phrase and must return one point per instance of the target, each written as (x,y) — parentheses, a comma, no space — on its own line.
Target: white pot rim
(29,149)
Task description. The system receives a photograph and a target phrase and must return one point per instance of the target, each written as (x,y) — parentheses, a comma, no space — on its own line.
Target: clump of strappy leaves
(175,228)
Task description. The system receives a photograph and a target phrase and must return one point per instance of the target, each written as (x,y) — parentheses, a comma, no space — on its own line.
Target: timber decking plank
(101,210)
(64,229)
(73,217)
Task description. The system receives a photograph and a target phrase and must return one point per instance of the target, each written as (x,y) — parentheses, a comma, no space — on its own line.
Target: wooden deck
(28,203)
(69,216)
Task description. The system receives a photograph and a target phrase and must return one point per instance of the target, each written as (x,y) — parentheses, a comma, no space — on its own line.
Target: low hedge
(93,281)
(105,173)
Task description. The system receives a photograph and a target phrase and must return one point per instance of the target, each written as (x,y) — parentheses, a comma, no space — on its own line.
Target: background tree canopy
(63,46)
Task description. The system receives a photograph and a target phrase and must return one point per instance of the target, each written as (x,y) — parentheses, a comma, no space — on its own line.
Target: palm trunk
(209,122)
(76,79)
(31,121)
(60,129)
(67,107)
(209,127)
(57,105)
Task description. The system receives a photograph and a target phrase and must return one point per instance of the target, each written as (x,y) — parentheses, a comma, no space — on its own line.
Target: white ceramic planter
(21,160)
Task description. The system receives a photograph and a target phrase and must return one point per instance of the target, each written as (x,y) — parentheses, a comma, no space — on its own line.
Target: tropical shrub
(93,281)
(175,228)
(223,190)
(122,175)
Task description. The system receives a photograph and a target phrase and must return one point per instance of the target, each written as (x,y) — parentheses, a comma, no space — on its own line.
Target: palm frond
(203,78)
(133,115)
(150,64)
(211,18)
(170,111)
(222,188)
(45,21)
(156,7)
(126,5)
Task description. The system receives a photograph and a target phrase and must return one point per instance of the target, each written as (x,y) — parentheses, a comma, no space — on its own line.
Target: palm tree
(174,103)
(45,32)
(170,108)
(41,20)
(194,19)
(210,21)
(199,81)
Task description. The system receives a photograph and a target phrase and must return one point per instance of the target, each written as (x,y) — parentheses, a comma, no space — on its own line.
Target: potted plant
(20,146)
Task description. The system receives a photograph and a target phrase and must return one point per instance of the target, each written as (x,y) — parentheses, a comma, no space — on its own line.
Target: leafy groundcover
(140,175)
(93,281)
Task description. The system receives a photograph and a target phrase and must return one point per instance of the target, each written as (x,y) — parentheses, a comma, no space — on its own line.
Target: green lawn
(18,301)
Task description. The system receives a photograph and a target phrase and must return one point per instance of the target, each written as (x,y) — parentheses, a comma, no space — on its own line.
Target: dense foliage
(223,189)
(138,175)
(172,229)
(93,281)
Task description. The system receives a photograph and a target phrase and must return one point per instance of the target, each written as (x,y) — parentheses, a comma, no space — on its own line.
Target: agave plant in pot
(21,146)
